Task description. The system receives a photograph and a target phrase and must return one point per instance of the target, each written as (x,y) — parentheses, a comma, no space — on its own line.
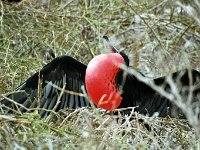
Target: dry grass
(159,36)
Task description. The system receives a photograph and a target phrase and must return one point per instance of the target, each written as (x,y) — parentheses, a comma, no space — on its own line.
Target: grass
(159,37)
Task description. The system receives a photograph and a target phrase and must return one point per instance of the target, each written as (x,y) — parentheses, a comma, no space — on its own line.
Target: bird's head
(101,76)
(113,49)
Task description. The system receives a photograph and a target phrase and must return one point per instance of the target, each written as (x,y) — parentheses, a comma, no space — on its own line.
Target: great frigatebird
(58,85)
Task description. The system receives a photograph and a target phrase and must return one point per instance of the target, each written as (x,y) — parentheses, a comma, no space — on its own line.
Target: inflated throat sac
(100,80)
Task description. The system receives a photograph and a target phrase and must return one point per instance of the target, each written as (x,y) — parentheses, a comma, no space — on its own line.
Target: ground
(159,37)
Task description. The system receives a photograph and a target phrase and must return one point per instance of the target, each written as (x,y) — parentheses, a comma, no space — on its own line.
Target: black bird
(58,85)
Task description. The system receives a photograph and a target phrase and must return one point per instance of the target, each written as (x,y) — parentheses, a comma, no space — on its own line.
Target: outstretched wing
(148,101)
(56,86)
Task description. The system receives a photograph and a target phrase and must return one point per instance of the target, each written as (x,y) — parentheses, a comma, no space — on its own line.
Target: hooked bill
(100,79)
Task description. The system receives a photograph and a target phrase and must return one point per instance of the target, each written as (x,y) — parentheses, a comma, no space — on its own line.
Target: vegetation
(159,37)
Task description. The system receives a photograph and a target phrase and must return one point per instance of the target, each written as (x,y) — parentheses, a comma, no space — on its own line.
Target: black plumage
(148,101)
(69,73)
(62,71)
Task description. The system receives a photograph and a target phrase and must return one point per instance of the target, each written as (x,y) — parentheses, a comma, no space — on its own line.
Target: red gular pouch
(100,80)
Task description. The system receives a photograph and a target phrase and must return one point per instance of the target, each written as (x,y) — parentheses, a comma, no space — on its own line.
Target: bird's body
(58,86)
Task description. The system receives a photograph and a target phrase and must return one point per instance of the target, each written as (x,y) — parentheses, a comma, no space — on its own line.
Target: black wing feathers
(68,72)
(61,71)
(148,101)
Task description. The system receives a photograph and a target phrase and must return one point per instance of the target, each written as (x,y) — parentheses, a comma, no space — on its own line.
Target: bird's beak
(114,49)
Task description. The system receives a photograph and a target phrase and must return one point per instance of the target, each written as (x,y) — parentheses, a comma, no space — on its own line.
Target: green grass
(158,36)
